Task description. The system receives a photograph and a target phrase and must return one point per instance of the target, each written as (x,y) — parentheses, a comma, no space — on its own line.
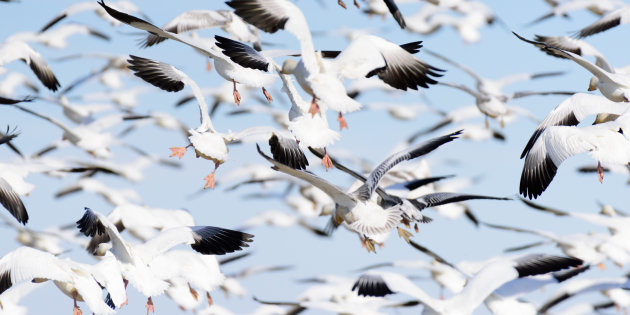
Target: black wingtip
(288,152)
(5,281)
(371,285)
(89,224)
(544,264)
(210,240)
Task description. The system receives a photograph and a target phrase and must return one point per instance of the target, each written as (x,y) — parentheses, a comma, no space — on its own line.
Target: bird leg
(342,122)
(487,123)
(404,234)
(178,151)
(356,4)
(194,293)
(415,227)
(237,95)
(210,302)
(267,95)
(208,65)
(600,172)
(368,243)
(210,178)
(341,3)
(150,307)
(326,161)
(126,302)
(76,310)
(502,122)
(601,266)
(314,109)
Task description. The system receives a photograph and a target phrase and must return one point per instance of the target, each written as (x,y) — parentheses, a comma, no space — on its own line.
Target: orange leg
(210,178)
(267,95)
(342,122)
(76,310)
(150,307)
(208,65)
(210,302)
(356,4)
(194,293)
(600,172)
(237,95)
(326,161)
(342,4)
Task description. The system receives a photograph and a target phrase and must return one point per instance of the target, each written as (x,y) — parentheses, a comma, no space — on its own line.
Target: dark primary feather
(562,276)
(53,22)
(242,54)
(157,73)
(211,240)
(540,264)
(371,285)
(89,224)
(288,152)
(393,9)
(442,198)
(365,191)
(553,302)
(5,281)
(12,202)
(569,120)
(10,101)
(253,12)
(430,253)
(536,178)
(598,27)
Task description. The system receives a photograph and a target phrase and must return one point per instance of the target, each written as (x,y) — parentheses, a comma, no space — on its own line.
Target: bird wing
(190,21)
(12,202)
(608,21)
(26,263)
(365,191)
(333,191)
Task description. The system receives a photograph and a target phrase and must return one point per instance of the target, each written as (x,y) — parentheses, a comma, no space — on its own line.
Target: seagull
(605,142)
(207,142)
(16,49)
(78,281)
(479,287)
(366,55)
(224,66)
(203,19)
(356,208)
(135,260)
(609,20)
(614,86)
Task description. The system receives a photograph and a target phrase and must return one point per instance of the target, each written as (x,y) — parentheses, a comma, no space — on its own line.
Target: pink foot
(209,181)
(178,151)
(342,122)
(356,4)
(77,311)
(327,162)
(208,66)
(194,293)
(600,172)
(150,307)
(237,95)
(267,95)
(342,4)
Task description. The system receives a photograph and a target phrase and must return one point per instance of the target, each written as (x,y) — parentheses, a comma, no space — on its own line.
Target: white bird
(207,142)
(365,56)
(91,6)
(14,50)
(57,38)
(73,279)
(225,67)
(115,196)
(135,260)
(606,143)
(356,209)
(204,19)
(582,286)
(598,7)
(614,86)
(479,287)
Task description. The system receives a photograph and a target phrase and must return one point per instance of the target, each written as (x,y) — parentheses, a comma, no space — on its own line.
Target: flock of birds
(291,145)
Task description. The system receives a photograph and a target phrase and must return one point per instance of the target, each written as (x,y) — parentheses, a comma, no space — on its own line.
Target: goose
(605,142)
(575,288)
(224,66)
(609,20)
(78,281)
(57,38)
(203,19)
(572,111)
(114,196)
(135,260)
(207,142)
(356,209)
(90,6)
(489,278)
(614,86)
(489,97)
(561,9)
(16,49)
(366,55)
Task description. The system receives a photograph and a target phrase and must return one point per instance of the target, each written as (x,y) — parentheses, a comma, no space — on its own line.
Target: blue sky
(372,135)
